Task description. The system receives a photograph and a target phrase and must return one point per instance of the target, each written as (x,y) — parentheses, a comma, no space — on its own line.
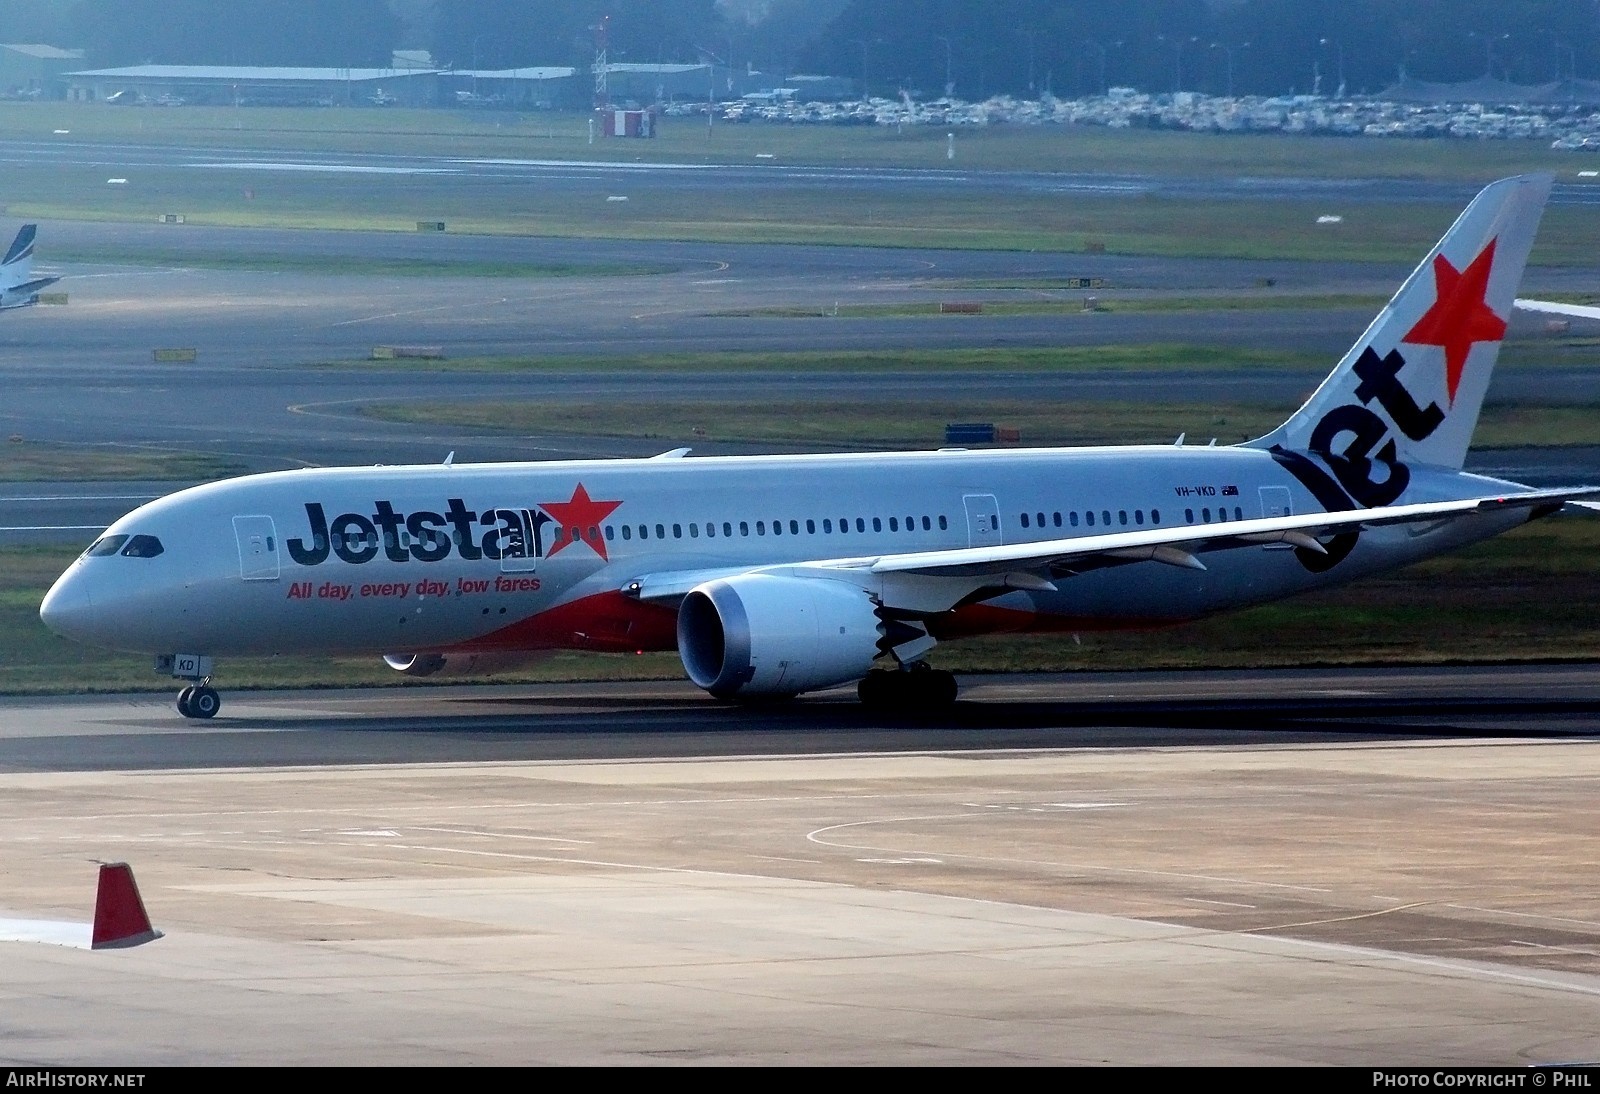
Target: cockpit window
(105,545)
(142,547)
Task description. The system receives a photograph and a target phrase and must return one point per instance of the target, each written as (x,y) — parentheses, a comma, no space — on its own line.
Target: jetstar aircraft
(18,287)
(776,575)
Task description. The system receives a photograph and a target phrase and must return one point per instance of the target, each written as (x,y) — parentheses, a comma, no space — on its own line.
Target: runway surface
(1236,868)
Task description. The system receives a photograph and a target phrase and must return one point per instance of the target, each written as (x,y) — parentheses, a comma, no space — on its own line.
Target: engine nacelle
(766,635)
(457,664)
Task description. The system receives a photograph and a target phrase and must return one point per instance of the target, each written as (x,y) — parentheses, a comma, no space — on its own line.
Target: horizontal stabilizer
(1555,307)
(33,286)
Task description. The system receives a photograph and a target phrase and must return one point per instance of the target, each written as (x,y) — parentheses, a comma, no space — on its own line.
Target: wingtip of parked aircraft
(120,920)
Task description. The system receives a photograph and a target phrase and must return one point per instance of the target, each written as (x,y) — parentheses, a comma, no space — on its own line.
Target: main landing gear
(915,687)
(199,700)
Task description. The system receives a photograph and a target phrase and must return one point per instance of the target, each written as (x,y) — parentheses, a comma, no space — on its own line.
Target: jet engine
(764,635)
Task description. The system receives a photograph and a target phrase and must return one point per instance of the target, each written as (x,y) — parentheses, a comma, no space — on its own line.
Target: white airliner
(776,575)
(18,287)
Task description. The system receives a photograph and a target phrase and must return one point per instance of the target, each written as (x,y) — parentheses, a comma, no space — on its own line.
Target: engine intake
(759,635)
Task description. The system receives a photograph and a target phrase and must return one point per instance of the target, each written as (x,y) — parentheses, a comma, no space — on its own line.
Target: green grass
(543,135)
(346,265)
(888,217)
(22,460)
(1071,302)
(1130,357)
(845,423)
(920,424)
(1531,595)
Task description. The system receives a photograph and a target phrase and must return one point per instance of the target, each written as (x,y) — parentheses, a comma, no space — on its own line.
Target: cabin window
(1122,516)
(877,524)
(811,527)
(1088,517)
(661,531)
(1024,520)
(1188,515)
(1041,520)
(927,525)
(1072,518)
(944,524)
(1155,516)
(711,529)
(1205,515)
(694,531)
(777,527)
(827,525)
(1138,516)
(1056,519)
(611,533)
(1105,516)
(677,531)
(761,527)
(744,528)
(727,529)
(1238,513)
(627,531)
(861,525)
(894,524)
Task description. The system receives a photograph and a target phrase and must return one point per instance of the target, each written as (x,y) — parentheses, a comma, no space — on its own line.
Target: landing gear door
(983,520)
(258,548)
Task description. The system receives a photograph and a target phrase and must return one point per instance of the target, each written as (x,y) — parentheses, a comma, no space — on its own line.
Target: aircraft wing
(1552,307)
(1181,546)
(1023,565)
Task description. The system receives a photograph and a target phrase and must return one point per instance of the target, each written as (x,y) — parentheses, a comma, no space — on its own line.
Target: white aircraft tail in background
(18,287)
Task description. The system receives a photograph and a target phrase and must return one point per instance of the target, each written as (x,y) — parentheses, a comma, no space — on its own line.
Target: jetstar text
(421,536)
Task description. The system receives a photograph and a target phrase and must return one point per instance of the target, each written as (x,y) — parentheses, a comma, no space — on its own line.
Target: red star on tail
(1459,317)
(580,519)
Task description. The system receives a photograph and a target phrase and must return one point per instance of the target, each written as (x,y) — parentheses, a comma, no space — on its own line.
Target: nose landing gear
(199,700)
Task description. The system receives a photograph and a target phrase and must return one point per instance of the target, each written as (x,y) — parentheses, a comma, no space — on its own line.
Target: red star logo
(579,519)
(1459,317)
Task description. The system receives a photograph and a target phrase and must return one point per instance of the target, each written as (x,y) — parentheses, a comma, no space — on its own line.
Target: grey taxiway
(1386,868)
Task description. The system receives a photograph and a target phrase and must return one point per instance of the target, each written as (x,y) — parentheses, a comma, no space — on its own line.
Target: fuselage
(526,557)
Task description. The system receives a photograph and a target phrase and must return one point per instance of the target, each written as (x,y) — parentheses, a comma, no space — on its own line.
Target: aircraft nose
(67,609)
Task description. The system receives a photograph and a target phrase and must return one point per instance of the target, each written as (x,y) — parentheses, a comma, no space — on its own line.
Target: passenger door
(983,520)
(258,548)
